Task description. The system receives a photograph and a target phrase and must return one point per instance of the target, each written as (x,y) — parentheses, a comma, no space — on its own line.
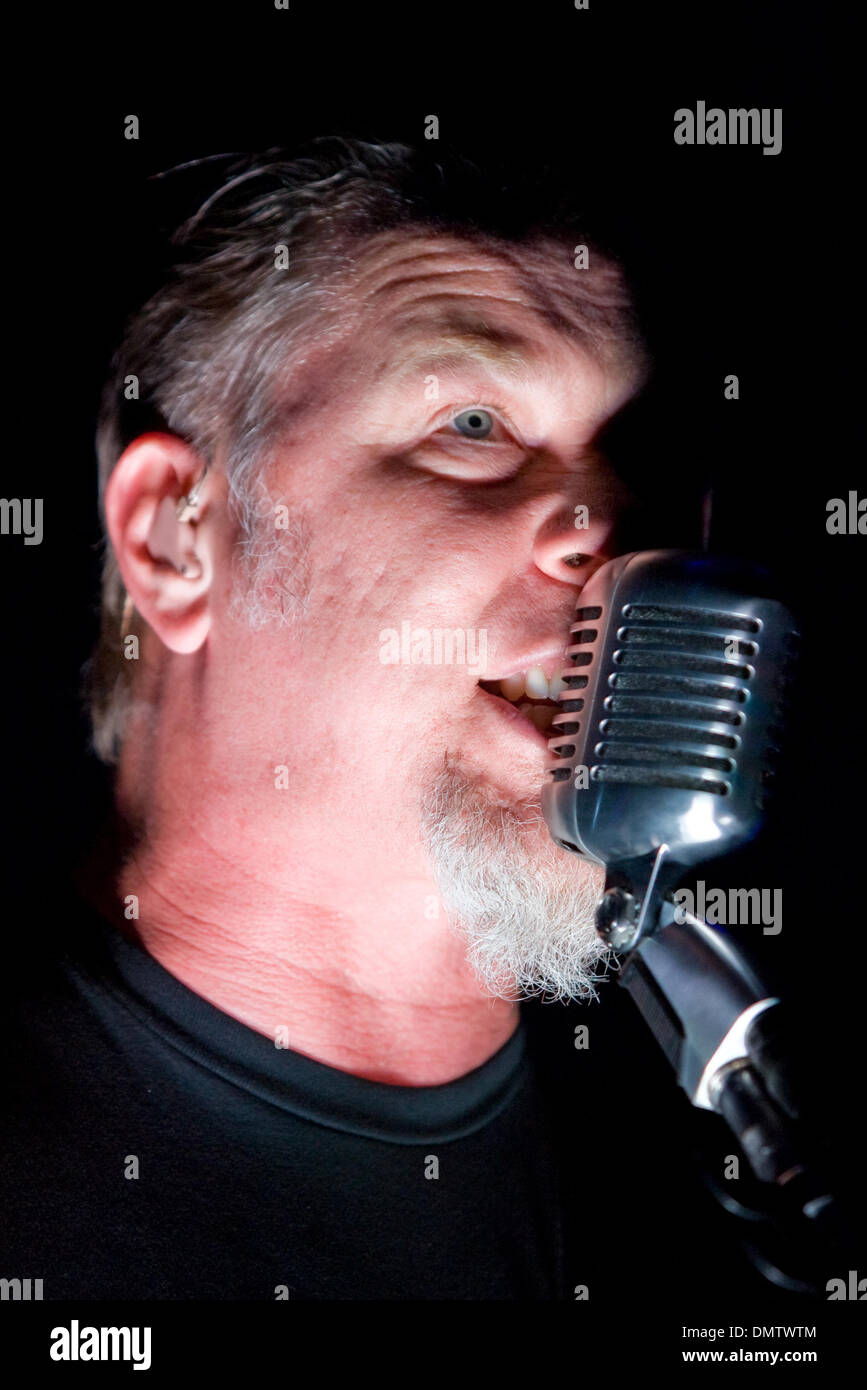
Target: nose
(582,531)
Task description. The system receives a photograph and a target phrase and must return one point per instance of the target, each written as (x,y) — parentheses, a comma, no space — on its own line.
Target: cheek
(390,564)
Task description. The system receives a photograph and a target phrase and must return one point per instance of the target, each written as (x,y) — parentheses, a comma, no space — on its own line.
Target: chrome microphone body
(663,754)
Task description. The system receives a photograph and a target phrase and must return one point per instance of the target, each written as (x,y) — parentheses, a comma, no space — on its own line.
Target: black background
(740,265)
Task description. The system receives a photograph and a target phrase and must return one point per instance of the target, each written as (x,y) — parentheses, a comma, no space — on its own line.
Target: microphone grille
(672,708)
(675,707)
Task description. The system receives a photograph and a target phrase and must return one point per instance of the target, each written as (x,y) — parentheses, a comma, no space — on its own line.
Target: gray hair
(203,357)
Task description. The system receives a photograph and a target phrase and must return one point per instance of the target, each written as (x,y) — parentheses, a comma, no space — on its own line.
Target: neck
(344,958)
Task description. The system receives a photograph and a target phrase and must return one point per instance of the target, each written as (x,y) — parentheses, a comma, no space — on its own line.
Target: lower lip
(515,720)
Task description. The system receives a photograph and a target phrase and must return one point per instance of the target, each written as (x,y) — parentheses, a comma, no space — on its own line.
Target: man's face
(429,475)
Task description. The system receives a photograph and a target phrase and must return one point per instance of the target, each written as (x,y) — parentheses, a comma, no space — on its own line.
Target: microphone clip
(628,910)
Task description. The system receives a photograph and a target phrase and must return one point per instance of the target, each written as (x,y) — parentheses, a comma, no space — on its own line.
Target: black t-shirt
(157,1148)
(154,1147)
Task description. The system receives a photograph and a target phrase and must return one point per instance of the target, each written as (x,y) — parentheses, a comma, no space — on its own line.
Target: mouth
(527,706)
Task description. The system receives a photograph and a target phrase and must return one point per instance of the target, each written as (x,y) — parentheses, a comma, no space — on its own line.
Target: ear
(166,563)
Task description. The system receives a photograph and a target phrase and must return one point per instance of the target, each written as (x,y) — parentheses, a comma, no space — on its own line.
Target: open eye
(447,450)
(474,423)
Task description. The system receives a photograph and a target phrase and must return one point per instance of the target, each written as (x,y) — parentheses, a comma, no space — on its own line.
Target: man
(352,492)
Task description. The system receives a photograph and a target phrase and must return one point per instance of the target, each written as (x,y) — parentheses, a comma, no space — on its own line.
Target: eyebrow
(507,352)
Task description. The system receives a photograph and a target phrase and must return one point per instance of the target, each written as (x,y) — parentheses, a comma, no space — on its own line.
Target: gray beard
(523,905)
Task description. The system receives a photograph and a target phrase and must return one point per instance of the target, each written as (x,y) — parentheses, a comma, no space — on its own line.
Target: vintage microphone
(671,720)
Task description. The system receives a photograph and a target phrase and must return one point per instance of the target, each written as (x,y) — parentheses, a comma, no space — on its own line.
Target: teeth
(512,688)
(533,683)
(536,684)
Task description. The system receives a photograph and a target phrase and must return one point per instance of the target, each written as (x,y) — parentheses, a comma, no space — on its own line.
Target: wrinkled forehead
(394,269)
(415,301)
(496,301)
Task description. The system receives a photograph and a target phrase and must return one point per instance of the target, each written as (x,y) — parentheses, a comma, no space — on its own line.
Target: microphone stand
(720,1029)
